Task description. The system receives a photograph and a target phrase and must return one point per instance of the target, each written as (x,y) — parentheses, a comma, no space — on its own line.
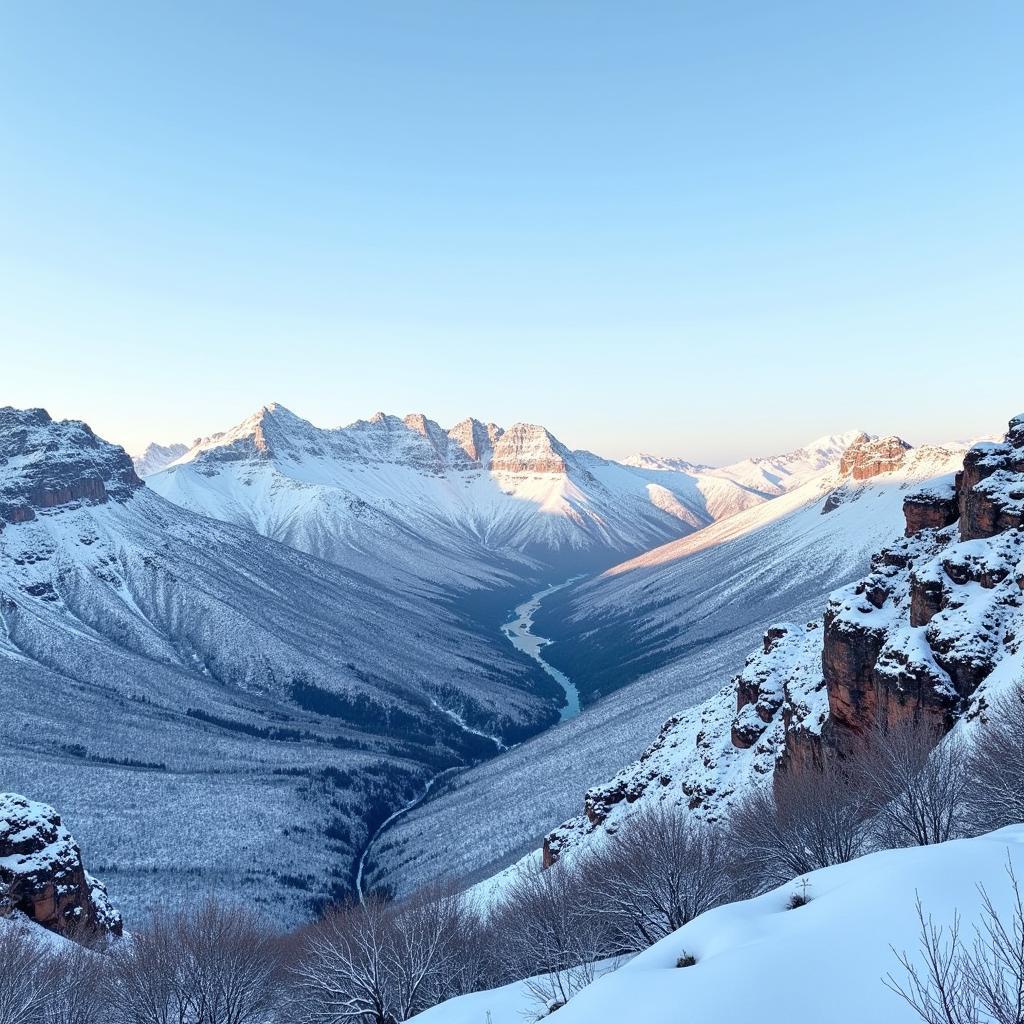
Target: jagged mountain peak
(47,464)
(476,439)
(530,448)
(157,457)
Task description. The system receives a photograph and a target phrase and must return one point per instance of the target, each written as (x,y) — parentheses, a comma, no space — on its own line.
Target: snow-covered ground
(758,960)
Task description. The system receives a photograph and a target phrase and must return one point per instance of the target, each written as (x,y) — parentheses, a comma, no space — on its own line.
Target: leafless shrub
(546,931)
(959,983)
(76,987)
(375,963)
(23,977)
(995,766)
(810,820)
(917,782)
(217,965)
(660,870)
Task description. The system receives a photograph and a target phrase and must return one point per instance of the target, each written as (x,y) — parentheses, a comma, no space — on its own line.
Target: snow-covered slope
(164,675)
(757,960)
(645,613)
(673,626)
(410,502)
(769,475)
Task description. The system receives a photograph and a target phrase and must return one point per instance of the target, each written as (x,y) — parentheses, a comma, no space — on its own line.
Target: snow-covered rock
(936,628)
(758,960)
(41,871)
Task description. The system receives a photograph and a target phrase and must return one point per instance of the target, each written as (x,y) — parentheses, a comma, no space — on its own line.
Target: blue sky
(704,229)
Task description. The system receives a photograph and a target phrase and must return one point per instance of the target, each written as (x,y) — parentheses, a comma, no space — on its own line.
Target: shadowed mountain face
(165,675)
(476,506)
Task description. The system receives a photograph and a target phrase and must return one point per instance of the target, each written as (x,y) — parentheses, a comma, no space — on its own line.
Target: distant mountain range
(469,507)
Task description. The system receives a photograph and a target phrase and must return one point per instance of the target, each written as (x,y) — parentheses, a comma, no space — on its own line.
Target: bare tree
(425,954)
(547,932)
(995,765)
(960,983)
(918,784)
(810,820)
(217,965)
(23,977)
(938,990)
(659,871)
(75,985)
(376,962)
(340,975)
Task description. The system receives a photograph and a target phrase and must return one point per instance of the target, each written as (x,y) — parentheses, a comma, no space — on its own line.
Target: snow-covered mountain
(658,634)
(411,502)
(157,457)
(768,475)
(165,675)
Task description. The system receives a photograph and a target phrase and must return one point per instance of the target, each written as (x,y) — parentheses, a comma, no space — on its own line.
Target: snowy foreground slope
(693,616)
(216,711)
(473,506)
(758,960)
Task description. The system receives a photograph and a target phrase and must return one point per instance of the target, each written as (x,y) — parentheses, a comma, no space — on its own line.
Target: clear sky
(697,228)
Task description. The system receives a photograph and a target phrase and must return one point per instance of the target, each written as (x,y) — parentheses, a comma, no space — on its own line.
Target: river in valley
(520,635)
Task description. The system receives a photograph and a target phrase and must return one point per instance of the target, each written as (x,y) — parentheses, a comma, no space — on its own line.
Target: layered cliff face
(936,629)
(42,874)
(867,457)
(45,465)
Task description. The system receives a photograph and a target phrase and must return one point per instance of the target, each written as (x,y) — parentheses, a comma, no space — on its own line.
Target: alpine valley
(272,663)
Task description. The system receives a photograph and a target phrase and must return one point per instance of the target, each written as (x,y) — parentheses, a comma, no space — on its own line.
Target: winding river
(519,632)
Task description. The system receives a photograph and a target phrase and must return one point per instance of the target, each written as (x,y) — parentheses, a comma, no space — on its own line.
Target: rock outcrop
(42,875)
(867,457)
(526,448)
(990,489)
(47,464)
(922,635)
(931,508)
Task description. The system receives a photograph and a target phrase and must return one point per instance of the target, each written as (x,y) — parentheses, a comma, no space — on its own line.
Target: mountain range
(472,507)
(285,636)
